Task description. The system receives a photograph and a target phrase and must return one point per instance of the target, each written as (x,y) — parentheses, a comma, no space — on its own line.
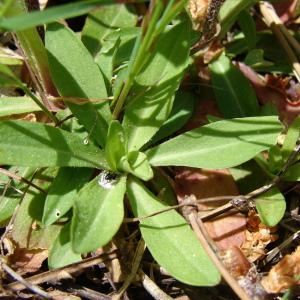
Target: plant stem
(37,101)
(141,52)
(274,22)
(199,229)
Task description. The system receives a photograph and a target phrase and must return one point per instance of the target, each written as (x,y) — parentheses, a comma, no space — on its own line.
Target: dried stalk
(61,273)
(20,178)
(154,290)
(198,228)
(30,286)
(282,34)
(135,266)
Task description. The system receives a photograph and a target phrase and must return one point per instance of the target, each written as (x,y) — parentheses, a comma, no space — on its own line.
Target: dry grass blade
(134,269)
(61,273)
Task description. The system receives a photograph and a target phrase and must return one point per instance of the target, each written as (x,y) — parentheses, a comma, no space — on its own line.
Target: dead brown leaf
(258,236)
(227,230)
(24,260)
(283,275)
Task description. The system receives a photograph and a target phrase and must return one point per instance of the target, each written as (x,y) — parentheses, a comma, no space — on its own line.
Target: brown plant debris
(284,274)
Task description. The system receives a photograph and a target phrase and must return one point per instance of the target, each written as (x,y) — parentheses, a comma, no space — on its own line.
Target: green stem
(137,60)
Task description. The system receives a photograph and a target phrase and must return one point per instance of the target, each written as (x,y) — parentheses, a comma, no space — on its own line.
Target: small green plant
(120,87)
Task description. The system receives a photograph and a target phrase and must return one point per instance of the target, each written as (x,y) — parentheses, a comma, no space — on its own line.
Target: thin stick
(37,290)
(254,194)
(198,226)
(139,219)
(184,203)
(135,266)
(20,178)
(61,273)
(154,290)
(88,293)
(281,26)
(271,20)
(271,254)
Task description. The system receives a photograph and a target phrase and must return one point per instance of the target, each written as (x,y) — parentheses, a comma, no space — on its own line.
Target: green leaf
(291,138)
(255,59)
(7,208)
(61,194)
(105,61)
(98,214)
(162,185)
(271,207)
(167,61)
(17,105)
(248,176)
(275,159)
(11,192)
(230,11)
(182,110)
(218,145)
(127,38)
(103,21)
(248,27)
(49,15)
(158,82)
(170,240)
(30,212)
(234,94)
(293,173)
(116,145)
(75,74)
(137,164)
(61,253)
(37,145)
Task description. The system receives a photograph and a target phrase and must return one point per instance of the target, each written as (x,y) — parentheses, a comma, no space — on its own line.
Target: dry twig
(61,273)
(198,228)
(30,286)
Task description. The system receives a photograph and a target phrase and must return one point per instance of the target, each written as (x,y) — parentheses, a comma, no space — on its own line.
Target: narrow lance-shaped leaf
(271,207)
(157,84)
(17,105)
(293,173)
(116,145)
(61,252)
(137,164)
(98,214)
(219,145)
(170,240)
(37,145)
(101,22)
(30,211)
(75,74)
(248,27)
(182,110)
(49,15)
(230,11)
(235,96)
(62,192)
(10,192)
(291,138)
